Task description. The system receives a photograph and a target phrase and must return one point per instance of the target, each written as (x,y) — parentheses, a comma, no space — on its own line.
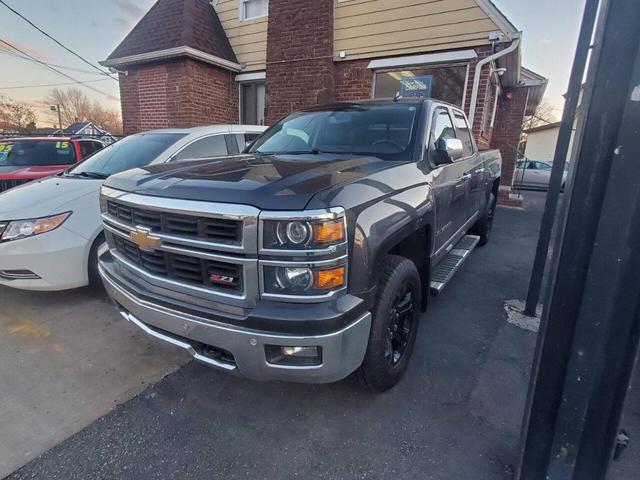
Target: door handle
(466,176)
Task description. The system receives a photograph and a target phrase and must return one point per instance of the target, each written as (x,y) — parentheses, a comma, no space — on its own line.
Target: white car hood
(45,197)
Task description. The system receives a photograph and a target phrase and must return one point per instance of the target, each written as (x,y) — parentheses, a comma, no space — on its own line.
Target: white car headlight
(35,226)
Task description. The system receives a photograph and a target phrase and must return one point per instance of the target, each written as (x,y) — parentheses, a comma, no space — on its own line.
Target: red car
(25,159)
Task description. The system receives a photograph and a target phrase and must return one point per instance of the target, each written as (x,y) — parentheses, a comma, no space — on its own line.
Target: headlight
(303,281)
(36,226)
(317,230)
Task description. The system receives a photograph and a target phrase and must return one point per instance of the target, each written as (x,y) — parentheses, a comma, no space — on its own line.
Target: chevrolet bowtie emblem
(143,238)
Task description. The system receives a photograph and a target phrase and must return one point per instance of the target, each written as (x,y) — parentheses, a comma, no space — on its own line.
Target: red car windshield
(27,153)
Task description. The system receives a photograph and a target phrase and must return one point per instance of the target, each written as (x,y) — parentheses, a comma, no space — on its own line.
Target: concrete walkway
(456,415)
(66,359)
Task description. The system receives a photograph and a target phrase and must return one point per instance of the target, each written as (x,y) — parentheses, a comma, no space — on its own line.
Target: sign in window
(443,83)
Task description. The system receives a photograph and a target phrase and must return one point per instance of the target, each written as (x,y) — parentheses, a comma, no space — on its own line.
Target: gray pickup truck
(311,255)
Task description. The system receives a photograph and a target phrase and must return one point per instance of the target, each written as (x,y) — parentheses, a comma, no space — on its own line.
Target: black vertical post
(560,155)
(590,330)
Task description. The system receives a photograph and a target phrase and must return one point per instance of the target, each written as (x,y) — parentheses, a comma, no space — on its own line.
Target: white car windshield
(132,152)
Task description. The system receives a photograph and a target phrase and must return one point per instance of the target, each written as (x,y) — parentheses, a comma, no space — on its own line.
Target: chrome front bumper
(342,351)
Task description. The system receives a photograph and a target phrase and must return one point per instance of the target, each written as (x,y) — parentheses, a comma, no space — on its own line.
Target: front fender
(381,226)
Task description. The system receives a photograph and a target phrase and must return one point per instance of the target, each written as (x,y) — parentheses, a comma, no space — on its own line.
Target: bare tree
(16,115)
(73,104)
(544,115)
(75,107)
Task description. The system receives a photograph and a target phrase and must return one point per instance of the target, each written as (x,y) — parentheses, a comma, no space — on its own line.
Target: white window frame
(241,11)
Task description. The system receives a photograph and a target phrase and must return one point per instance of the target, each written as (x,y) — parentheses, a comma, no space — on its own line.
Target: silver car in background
(535,174)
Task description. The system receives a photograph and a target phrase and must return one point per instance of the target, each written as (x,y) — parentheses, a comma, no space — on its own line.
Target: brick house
(193,62)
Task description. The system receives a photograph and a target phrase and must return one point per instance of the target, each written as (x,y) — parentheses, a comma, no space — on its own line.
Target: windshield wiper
(100,176)
(315,151)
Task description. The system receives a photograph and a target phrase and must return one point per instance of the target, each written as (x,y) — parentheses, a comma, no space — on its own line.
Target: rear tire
(485,224)
(394,326)
(94,275)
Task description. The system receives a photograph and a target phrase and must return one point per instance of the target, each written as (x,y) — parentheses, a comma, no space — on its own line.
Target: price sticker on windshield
(62,145)
(5,148)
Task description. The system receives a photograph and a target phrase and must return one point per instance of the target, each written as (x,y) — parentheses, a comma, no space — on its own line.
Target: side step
(450,264)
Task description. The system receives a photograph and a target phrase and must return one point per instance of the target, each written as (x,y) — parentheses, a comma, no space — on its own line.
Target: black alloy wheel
(400,325)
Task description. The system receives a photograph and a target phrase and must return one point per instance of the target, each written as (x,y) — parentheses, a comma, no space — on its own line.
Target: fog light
(293,356)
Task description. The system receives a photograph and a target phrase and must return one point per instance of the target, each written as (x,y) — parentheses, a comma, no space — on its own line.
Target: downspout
(476,77)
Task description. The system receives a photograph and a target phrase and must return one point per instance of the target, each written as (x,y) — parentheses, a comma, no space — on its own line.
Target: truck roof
(379,102)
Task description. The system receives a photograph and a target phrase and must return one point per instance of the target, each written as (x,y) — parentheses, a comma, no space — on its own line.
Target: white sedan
(51,229)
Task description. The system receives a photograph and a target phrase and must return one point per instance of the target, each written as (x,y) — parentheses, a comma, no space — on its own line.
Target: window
(464,134)
(252,103)
(214,146)
(132,152)
(542,166)
(443,83)
(245,139)
(250,9)
(441,129)
(384,131)
(36,153)
(88,148)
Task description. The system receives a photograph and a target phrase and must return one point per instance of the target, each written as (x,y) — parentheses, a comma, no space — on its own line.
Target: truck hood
(30,173)
(45,197)
(268,182)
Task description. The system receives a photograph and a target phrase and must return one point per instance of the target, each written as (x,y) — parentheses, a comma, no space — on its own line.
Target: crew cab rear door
(473,165)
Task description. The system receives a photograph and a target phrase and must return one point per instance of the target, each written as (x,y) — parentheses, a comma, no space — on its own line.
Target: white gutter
(476,78)
(172,53)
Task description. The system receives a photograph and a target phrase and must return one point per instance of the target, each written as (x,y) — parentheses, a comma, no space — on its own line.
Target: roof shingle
(177,23)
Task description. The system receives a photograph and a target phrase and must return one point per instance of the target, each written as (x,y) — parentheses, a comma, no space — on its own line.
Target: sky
(93,28)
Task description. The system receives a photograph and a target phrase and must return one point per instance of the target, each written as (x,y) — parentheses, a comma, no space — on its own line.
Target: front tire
(394,326)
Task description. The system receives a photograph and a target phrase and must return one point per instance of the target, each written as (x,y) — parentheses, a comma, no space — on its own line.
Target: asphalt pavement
(455,415)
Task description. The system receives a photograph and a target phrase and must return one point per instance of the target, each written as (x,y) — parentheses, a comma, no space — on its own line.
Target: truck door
(449,184)
(474,166)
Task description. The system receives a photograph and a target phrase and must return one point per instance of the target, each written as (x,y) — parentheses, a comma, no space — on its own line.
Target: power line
(73,69)
(56,41)
(16,87)
(69,77)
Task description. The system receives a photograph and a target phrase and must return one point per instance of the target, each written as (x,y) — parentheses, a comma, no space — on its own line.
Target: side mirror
(448,150)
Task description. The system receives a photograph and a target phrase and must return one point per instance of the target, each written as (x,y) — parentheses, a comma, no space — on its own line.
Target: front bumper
(342,351)
(57,257)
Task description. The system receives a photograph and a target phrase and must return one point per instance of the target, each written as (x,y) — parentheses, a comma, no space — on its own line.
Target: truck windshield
(132,152)
(29,153)
(385,131)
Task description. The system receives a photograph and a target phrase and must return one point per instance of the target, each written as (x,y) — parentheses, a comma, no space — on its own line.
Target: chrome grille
(183,268)
(7,184)
(204,249)
(216,229)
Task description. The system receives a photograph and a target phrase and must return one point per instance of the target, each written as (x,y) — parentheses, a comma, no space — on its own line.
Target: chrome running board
(446,269)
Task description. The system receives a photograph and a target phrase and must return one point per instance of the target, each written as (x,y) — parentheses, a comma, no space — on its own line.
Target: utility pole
(590,333)
(56,108)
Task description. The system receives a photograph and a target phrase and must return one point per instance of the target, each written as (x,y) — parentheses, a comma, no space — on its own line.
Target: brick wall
(300,69)
(177,93)
(353,80)
(507,129)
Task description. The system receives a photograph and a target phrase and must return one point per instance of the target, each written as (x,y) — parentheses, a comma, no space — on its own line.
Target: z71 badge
(222,279)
